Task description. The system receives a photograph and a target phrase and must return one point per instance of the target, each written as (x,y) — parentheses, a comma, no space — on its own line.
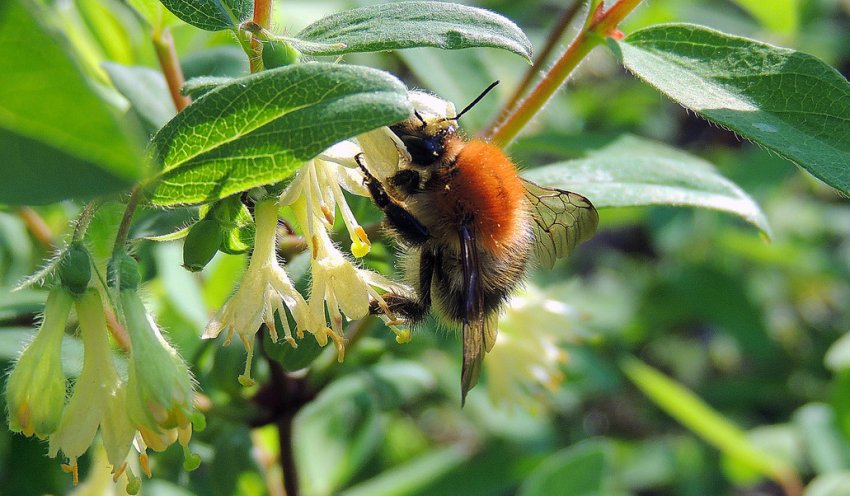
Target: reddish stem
(555,34)
(601,25)
(163,44)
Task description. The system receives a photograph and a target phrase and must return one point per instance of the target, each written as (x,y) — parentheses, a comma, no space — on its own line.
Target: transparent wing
(476,338)
(561,221)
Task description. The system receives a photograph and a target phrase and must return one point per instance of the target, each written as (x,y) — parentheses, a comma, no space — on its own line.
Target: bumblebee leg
(413,310)
(410,229)
(406,181)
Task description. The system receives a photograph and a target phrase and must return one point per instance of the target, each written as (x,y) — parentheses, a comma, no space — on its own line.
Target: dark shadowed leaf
(59,138)
(581,470)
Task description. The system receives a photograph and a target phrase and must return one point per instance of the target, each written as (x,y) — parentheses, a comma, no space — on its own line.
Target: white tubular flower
(382,150)
(321,181)
(337,286)
(264,289)
(97,399)
(526,360)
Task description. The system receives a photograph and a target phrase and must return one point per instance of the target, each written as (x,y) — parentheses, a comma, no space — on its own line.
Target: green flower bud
(75,268)
(125,270)
(201,244)
(35,391)
(237,224)
(278,54)
(159,385)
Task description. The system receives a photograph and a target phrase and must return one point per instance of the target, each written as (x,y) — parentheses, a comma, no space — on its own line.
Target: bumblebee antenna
(474,102)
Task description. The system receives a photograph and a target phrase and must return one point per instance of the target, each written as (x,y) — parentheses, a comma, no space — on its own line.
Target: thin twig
(84,219)
(163,44)
(599,26)
(555,35)
(287,454)
(124,227)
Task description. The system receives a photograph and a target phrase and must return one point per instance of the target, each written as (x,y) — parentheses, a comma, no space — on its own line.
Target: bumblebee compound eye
(423,151)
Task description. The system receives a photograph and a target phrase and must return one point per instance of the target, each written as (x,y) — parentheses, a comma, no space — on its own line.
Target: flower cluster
(151,407)
(339,289)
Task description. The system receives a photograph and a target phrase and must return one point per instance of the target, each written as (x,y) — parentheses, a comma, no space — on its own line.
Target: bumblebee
(469,227)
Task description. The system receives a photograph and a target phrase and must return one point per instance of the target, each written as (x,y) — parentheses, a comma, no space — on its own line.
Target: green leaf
(335,435)
(826,446)
(710,425)
(581,470)
(146,90)
(414,475)
(199,86)
(787,101)
(21,304)
(394,26)
(59,138)
(291,359)
(631,171)
(832,484)
(259,129)
(211,15)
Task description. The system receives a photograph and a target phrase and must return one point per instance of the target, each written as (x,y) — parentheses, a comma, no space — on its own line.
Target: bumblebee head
(434,120)
(424,141)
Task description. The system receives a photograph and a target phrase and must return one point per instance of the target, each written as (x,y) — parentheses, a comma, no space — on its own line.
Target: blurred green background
(754,328)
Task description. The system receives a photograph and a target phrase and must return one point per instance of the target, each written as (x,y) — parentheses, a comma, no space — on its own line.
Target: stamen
(72,468)
(339,342)
(287,333)
(245,379)
(144,461)
(117,473)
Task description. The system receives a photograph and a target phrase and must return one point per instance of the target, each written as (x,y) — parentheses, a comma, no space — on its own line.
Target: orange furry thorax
(484,185)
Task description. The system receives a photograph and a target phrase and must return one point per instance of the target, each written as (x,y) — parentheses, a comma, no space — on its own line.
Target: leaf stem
(599,26)
(555,35)
(163,44)
(84,219)
(124,227)
(262,18)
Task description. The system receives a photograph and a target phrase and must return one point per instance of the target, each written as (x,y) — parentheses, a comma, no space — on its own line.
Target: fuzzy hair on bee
(469,227)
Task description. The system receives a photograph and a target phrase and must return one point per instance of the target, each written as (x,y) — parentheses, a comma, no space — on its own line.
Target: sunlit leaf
(259,129)
(393,26)
(787,101)
(632,172)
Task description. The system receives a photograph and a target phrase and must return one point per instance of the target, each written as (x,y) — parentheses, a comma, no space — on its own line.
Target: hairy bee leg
(413,310)
(408,308)
(410,229)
